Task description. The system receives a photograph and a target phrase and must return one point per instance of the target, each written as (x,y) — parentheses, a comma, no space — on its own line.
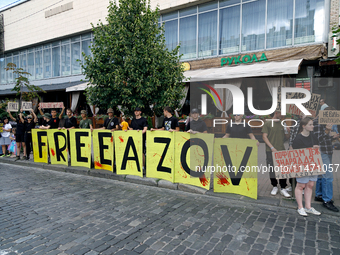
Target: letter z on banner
(40,146)
(129,152)
(80,142)
(193,158)
(103,149)
(235,166)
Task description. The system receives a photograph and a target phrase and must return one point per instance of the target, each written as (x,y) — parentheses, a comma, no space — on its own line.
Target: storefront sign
(297,163)
(329,117)
(13,106)
(26,106)
(52,105)
(246,59)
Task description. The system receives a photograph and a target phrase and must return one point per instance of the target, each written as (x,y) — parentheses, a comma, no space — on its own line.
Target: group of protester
(306,134)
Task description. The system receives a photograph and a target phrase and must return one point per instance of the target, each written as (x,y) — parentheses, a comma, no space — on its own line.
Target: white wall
(26,24)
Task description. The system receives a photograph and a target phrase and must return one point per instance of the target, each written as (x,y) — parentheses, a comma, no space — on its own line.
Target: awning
(255,70)
(80,87)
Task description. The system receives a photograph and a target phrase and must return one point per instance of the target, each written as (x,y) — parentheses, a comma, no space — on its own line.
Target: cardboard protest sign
(103,149)
(13,106)
(160,158)
(193,157)
(52,105)
(329,117)
(311,105)
(80,142)
(297,163)
(235,162)
(40,146)
(129,152)
(57,142)
(26,106)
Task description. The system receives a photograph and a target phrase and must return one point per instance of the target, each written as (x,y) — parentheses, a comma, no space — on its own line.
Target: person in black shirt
(20,132)
(54,120)
(140,123)
(170,123)
(196,125)
(111,122)
(305,139)
(29,125)
(238,129)
(47,121)
(70,121)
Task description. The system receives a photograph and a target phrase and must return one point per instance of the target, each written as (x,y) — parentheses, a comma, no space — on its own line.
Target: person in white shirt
(4,140)
(323,104)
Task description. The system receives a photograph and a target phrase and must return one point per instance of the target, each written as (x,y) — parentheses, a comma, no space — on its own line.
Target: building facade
(221,41)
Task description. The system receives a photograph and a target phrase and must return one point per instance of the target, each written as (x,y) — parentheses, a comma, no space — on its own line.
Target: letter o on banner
(201,143)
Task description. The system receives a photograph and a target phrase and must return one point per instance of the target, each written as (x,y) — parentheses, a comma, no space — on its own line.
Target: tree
(21,82)
(131,65)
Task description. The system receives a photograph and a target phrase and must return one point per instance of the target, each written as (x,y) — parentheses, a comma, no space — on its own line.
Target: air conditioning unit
(324,82)
(333,47)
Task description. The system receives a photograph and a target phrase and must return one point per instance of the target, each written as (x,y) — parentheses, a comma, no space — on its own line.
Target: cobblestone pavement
(48,212)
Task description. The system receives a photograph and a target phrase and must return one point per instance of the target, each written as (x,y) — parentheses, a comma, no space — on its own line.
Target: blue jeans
(324,184)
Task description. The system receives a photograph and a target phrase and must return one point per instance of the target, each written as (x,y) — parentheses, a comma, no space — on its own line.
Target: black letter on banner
(79,145)
(59,150)
(185,149)
(40,143)
(126,157)
(103,147)
(235,179)
(167,143)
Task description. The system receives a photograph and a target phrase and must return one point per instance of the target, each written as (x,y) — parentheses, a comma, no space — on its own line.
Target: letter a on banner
(160,159)
(40,146)
(235,166)
(129,152)
(80,142)
(193,158)
(57,142)
(103,149)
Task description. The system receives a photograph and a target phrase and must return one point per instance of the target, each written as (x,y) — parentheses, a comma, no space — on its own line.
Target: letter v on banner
(160,158)
(236,161)
(129,152)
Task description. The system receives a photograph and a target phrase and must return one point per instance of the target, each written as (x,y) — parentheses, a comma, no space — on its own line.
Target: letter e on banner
(40,146)
(103,149)
(80,142)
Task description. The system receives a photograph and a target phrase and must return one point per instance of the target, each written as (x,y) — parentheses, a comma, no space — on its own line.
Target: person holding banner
(305,139)
(196,125)
(54,121)
(324,184)
(30,124)
(47,121)
(239,129)
(70,120)
(295,130)
(4,140)
(20,133)
(274,137)
(170,123)
(111,122)
(85,122)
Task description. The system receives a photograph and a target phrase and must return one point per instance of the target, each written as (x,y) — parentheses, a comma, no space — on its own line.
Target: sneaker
(17,158)
(8,155)
(318,199)
(329,205)
(289,188)
(274,191)
(284,193)
(3,155)
(312,211)
(12,156)
(24,157)
(302,212)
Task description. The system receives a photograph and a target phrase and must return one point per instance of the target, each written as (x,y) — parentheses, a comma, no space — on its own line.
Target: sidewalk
(264,186)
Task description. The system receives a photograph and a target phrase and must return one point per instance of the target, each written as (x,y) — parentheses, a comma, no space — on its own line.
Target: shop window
(23,60)
(30,64)
(16,62)
(85,47)
(47,63)
(65,60)
(229,41)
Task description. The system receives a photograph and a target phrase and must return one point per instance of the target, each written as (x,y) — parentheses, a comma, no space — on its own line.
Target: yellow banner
(40,146)
(193,156)
(236,167)
(160,158)
(80,142)
(129,152)
(57,142)
(103,149)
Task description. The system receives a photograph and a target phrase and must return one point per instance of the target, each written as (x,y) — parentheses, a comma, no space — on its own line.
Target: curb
(270,201)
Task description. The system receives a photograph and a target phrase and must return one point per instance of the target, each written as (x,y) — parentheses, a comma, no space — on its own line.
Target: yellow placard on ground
(103,149)
(40,146)
(80,142)
(160,158)
(129,152)
(193,157)
(57,142)
(236,167)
